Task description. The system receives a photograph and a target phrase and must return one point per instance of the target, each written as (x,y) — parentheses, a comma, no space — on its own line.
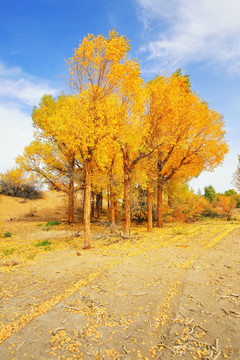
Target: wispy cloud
(205,30)
(19,92)
(23,88)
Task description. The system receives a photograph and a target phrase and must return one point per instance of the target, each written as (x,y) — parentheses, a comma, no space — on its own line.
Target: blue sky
(200,36)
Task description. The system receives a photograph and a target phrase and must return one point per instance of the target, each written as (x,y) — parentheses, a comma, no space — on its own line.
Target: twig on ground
(167,347)
(201,327)
(71,308)
(100,347)
(99,287)
(199,341)
(121,285)
(20,345)
(230,312)
(158,356)
(235,295)
(182,314)
(57,329)
(141,294)
(217,356)
(222,297)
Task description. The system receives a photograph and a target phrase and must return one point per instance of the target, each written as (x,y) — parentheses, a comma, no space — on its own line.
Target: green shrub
(178,231)
(7,234)
(43,243)
(7,252)
(52,223)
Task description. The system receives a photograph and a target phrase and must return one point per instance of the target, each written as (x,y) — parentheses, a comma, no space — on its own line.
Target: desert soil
(170,294)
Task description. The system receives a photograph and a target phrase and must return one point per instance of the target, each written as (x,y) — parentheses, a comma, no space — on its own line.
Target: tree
(185,204)
(50,154)
(145,176)
(103,79)
(234,195)
(132,138)
(230,192)
(108,174)
(55,166)
(210,193)
(226,204)
(236,178)
(189,134)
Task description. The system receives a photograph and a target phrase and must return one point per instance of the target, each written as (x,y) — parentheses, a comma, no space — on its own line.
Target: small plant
(32,212)
(43,243)
(139,216)
(52,223)
(7,234)
(46,228)
(7,252)
(49,225)
(178,231)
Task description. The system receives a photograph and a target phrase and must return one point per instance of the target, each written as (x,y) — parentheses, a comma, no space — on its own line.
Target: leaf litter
(118,300)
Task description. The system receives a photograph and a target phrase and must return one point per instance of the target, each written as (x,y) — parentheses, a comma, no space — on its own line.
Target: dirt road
(171,294)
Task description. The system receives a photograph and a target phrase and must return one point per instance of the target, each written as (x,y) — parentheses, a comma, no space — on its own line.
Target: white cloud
(16,133)
(6,71)
(15,84)
(204,30)
(18,93)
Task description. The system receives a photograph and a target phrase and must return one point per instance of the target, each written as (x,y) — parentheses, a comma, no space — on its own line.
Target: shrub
(139,216)
(188,207)
(225,205)
(24,191)
(234,195)
(15,183)
(43,243)
(139,204)
(52,223)
(7,234)
(210,211)
(7,252)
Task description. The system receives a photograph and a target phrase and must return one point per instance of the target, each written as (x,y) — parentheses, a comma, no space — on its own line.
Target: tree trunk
(159,204)
(98,205)
(108,198)
(149,209)
(159,191)
(92,204)
(127,213)
(71,193)
(170,200)
(112,201)
(87,205)
(101,201)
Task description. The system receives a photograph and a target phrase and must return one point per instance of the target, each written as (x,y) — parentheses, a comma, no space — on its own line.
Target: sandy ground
(171,294)
(52,206)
